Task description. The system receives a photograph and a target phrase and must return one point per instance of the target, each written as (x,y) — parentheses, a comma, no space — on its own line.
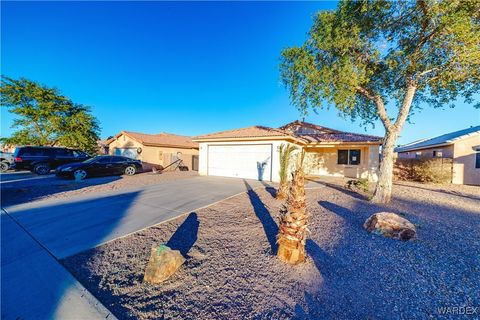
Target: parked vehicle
(100,166)
(6,160)
(41,160)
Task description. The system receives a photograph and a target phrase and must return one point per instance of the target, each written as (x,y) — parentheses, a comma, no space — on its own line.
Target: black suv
(43,159)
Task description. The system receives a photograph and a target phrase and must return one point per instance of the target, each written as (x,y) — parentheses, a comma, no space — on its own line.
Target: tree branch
(405,108)
(382,111)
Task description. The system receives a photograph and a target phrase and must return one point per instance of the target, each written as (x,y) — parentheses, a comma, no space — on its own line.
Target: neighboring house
(463,147)
(253,152)
(8,148)
(155,149)
(102,146)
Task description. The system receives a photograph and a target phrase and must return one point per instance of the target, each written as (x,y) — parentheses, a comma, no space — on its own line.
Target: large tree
(381,59)
(45,117)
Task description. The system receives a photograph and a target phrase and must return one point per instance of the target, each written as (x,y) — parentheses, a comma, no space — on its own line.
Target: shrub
(424,170)
(358,185)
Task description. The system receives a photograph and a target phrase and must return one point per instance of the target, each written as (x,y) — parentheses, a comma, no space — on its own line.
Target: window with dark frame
(349,157)
(354,157)
(342,156)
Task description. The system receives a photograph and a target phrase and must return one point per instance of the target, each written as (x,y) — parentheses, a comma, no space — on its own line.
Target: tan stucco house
(462,146)
(253,152)
(155,149)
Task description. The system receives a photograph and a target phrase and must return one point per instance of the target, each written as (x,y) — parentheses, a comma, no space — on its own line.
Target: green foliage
(286,151)
(366,50)
(358,185)
(47,118)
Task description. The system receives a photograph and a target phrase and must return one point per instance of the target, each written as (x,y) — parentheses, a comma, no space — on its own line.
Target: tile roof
(444,139)
(161,139)
(248,132)
(341,137)
(297,123)
(324,135)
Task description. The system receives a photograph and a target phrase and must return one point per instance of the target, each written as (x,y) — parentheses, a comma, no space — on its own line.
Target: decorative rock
(390,225)
(163,263)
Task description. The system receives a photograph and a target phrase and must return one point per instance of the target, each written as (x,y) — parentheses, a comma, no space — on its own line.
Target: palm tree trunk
(293,222)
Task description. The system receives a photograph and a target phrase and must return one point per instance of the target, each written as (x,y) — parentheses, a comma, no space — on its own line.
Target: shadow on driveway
(33,283)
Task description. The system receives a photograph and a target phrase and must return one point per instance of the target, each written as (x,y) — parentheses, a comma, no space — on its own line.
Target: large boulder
(163,263)
(390,225)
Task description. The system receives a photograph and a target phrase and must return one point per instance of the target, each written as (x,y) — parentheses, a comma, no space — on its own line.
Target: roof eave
(313,144)
(425,147)
(168,145)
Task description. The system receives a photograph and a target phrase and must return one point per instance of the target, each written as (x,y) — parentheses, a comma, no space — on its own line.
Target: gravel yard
(55,188)
(231,273)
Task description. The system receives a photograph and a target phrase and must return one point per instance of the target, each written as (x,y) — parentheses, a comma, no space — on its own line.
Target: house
(462,146)
(155,149)
(102,146)
(253,152)
(10,148)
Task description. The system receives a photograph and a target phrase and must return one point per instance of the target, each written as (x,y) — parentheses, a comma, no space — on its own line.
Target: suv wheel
(4,166)
(130,170)
(41,169)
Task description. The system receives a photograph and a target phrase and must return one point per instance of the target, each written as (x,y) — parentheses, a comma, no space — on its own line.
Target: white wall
(203,165)
(327,166)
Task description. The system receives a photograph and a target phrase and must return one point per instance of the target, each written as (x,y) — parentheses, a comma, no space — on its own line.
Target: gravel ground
(231,273)
(56,188)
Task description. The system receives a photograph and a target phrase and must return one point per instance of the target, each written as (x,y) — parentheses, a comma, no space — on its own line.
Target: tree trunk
(293,222)
(383,190)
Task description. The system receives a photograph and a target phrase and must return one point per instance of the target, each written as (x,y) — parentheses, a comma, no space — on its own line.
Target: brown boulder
(163,263)
(390,225)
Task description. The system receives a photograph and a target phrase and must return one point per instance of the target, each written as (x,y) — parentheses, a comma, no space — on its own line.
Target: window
(63,153)
(342,156)
(477,158)
(103,160)
(351,157)
(79,154)
(437,154)
(34,152)
(354,157)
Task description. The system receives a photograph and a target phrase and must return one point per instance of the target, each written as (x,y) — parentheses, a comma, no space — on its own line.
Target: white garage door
(241,161)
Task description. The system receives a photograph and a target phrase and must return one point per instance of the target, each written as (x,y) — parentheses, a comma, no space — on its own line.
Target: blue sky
(185,67)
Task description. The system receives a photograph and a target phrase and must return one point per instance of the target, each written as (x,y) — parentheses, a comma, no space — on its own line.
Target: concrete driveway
(37,234)
(17,176)
(70,226)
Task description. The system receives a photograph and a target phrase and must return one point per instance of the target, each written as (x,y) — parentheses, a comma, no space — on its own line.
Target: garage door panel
(241,161)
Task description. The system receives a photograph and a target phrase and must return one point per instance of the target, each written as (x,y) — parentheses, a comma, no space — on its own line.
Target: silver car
(6,159)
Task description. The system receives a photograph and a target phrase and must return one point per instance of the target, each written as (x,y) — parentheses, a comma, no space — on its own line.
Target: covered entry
(249,161)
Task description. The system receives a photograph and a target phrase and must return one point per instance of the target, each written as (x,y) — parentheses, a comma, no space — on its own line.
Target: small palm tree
(294,219)
(286,151)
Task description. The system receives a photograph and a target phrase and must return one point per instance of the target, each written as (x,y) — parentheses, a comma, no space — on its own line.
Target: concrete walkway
(35,286)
